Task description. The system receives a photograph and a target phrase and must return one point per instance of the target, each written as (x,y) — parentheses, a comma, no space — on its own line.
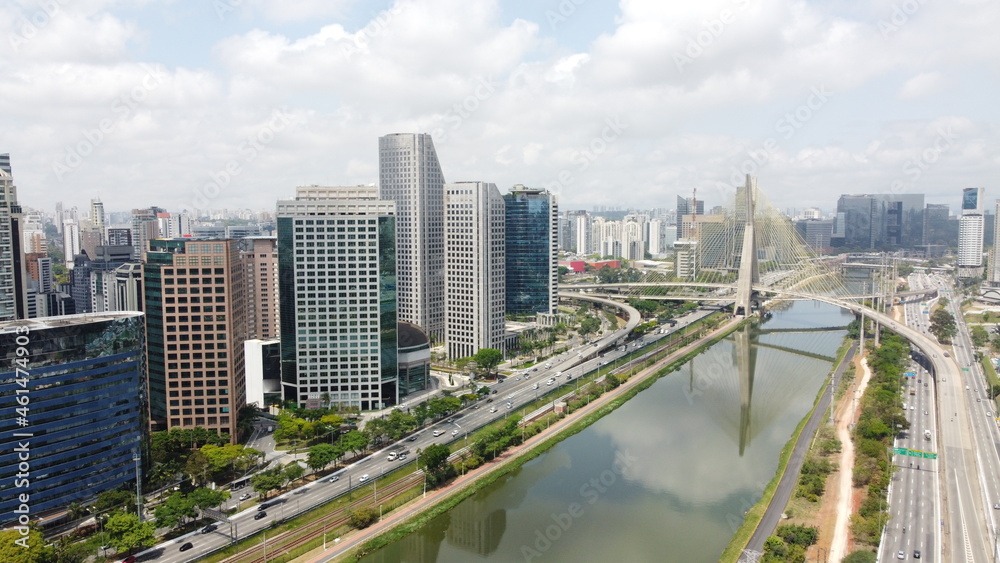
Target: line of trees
(881,418)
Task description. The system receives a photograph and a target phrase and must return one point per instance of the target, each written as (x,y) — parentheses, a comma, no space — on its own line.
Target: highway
(973,422)
(506,398)
(967,450)
(914,504)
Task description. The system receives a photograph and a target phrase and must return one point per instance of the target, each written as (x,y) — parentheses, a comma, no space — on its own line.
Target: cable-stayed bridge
(752,257)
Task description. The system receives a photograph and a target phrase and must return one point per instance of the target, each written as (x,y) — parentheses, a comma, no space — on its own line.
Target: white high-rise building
(475,268)
(97,219)
(632,244)
(970,234)
(994,277)
(410,175)
(71,241)
(337,279)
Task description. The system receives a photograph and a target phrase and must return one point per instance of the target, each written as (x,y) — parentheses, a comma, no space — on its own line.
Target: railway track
(293,539)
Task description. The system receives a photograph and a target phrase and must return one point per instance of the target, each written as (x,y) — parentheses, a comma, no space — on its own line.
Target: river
(666,477)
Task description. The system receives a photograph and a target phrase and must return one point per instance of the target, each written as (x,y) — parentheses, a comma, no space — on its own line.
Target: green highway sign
(914,453)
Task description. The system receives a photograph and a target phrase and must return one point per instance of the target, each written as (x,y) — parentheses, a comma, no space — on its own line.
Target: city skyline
(602,104)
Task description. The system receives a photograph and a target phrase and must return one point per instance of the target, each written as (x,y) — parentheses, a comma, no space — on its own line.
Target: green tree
(434,459)
(362,517)
(861,557)
(126,533)
(198,467)
(172,512)
(207,498)
(943,325)
(15,548)
(292,472)
(267,481)
(980,337)
(487,359)
(354,441)
(320,456)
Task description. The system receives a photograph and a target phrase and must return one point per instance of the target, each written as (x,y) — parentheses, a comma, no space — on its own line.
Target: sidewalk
(357,538)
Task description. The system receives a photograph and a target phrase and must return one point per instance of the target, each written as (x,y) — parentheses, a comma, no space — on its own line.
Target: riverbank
(761,520)
(411,517)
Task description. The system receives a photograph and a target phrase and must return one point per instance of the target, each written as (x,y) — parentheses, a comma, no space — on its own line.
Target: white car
(550,381)
(243,497)
(436,434)
(362,479)
(493,409)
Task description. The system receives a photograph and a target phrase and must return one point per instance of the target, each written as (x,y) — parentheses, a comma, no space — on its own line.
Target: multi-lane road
(946,505)
(507,398)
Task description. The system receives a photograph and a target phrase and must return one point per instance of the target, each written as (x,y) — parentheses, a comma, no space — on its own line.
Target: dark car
(129,559)
(489,400)
(209,529)
(187,546)
(260,515)
(263,506)
(916,554)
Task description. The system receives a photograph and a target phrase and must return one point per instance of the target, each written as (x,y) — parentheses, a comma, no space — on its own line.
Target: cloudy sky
(233,103)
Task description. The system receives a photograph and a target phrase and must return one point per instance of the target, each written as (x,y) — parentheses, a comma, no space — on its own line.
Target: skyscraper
(5,163)
(84,376)
(531,231)
(13,296)
(194,290)
(994,276)
(474,245)
(970,234)
(337,266)
(145,227)
(687,206)
(261,263)
(97,219)
(410,175)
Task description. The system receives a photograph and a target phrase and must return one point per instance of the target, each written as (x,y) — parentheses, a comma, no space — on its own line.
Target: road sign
(909,374)
(914,453)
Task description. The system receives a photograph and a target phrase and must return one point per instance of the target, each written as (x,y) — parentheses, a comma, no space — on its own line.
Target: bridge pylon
(749,272)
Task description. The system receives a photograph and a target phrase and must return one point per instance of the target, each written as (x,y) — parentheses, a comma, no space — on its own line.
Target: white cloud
(921,85)
(505,102)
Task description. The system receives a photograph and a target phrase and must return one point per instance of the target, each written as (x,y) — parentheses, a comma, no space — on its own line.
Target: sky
(229,104)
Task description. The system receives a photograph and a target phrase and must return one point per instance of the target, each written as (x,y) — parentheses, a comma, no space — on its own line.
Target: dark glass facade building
(77,381)
(531,231)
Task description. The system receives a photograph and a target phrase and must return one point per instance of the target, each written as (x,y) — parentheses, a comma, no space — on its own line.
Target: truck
(927,434)
(913,391)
